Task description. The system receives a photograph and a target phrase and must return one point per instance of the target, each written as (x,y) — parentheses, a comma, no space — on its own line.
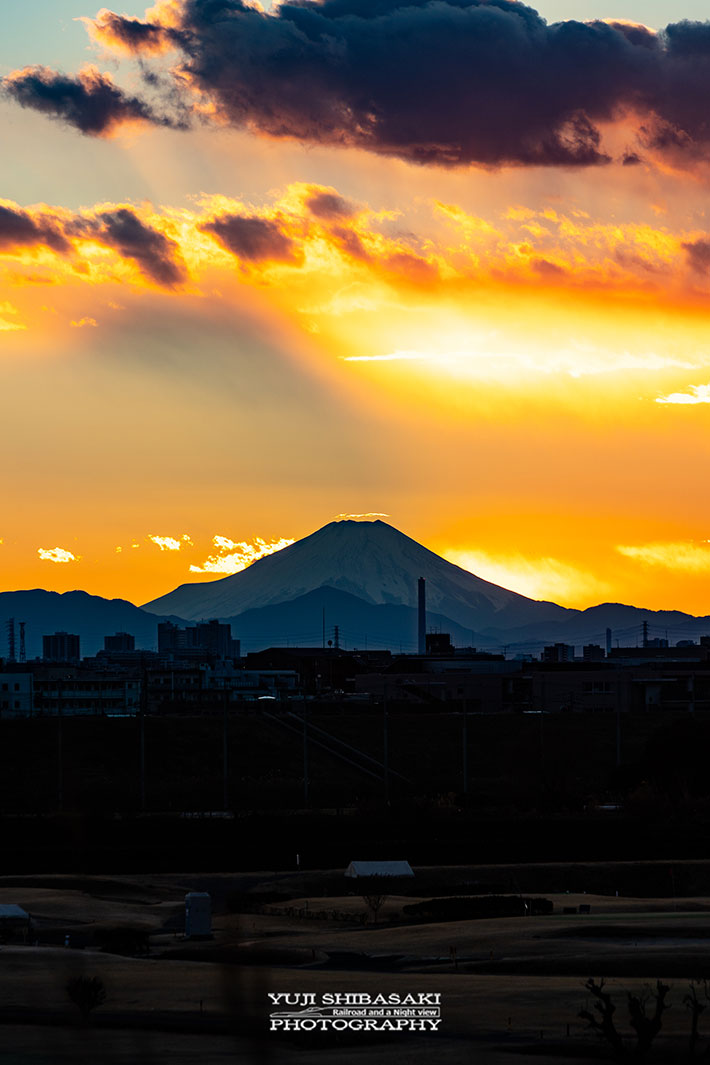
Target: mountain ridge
(364,574)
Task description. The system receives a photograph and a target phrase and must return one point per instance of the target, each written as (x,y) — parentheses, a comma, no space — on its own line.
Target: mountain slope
(370,560)
(299,622)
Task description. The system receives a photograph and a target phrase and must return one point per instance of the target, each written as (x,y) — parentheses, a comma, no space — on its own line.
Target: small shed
(370,869)
(198,914)
(14,923)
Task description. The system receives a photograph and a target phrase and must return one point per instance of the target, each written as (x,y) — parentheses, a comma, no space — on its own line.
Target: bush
(86,992)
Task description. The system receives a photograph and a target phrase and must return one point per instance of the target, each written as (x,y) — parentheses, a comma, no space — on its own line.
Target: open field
(511,987)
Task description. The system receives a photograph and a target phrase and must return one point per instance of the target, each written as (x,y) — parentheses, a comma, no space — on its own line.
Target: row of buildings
(198,669)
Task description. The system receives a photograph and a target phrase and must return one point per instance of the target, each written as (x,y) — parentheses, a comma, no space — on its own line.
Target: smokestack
(422,616)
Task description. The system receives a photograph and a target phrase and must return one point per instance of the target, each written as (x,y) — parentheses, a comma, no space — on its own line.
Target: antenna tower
(23,651)
(11,639)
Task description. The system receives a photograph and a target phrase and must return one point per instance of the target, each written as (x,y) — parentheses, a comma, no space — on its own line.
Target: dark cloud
(19,228)
(698,252)
(351,243)
(448,82)
(128,34)
(157,255)
(253,239)
(635,33)
(545,268)
(411,266)
(90,101)
(431,82)
(329,205)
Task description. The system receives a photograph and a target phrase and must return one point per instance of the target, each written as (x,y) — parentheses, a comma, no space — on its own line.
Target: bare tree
(604,1024)
(692,1002)
(374,904)
(645,1016)
(646,1024)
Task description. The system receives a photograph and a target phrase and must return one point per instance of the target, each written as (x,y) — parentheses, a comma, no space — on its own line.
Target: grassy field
(511,987)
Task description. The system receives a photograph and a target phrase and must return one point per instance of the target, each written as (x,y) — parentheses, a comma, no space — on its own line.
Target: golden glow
(431,361)
(538,578)
(690,557)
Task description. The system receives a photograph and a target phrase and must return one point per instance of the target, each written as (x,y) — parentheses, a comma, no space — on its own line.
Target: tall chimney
(422,616)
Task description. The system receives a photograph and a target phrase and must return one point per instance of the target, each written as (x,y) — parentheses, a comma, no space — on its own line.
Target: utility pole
(60,752)
(464,740)
(385,747)
(618,720)
(141,736)
(305,751)
(225,749)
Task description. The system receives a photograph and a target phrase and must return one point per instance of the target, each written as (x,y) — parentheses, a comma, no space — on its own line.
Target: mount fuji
(371,561)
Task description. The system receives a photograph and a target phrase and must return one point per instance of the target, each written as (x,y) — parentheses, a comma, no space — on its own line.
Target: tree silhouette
(645,1015)
(374,903)
(86,992)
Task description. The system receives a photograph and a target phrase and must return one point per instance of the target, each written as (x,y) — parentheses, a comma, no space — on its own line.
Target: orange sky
(512,364)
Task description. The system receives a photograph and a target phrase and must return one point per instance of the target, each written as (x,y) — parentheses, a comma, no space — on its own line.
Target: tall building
(61,647)
(121,641)
(211,637)
(558,652)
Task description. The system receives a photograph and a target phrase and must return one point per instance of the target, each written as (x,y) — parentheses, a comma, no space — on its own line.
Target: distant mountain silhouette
(299,622)
(88,615)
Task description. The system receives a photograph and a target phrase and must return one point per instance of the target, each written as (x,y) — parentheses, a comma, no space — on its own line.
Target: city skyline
(223,326)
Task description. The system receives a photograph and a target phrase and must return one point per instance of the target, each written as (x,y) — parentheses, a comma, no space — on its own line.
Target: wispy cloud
(697,394)
(5,325)
(233,556)
(369,516)
(394,356)
(170,543)
(691,556)
(57,554)
(83,322)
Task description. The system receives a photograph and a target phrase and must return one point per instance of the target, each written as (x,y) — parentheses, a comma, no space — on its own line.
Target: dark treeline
(126,793)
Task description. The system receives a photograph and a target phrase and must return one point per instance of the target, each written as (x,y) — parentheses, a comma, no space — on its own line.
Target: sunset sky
(446,263)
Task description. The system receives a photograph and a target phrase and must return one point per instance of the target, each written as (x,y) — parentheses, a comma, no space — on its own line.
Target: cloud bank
(451,82)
